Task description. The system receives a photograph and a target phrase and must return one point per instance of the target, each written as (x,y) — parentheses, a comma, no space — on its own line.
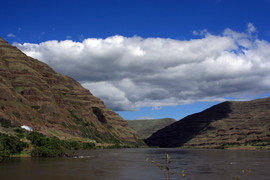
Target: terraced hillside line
(33,94)
(225,124)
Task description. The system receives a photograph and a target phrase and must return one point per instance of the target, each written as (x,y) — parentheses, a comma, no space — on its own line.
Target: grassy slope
(146,128)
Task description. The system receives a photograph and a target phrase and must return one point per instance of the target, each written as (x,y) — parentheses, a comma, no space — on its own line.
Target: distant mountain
(146,128)
(228,123)
(33,94)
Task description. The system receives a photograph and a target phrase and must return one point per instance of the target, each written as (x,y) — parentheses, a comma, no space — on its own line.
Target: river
(131,164)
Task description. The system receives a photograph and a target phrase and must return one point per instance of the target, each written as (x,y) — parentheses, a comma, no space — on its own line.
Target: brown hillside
(227,123)
(145,128)
(33,94)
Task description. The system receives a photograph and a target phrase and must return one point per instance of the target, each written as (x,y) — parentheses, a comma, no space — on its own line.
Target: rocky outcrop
(33,94)
(223,124)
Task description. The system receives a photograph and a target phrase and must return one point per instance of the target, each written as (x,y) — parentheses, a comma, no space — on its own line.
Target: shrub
(43,151)
(53,147)
(75,145)
(88,145)
(18,130)
(5,123)
(44,146)
(4,153)
(10,145)
(37,139)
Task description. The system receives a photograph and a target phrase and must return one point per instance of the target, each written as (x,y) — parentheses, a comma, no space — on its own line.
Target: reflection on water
(130,164)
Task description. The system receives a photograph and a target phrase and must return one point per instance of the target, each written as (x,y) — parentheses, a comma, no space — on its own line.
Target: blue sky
(149,58)
(36,20)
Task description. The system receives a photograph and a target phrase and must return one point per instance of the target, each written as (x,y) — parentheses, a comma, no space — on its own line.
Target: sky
(149,58)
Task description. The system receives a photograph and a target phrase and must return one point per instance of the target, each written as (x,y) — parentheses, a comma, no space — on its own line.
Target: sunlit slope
(146,128)
(33,94)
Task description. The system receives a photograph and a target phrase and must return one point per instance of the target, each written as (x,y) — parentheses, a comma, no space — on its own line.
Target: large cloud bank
(132,72)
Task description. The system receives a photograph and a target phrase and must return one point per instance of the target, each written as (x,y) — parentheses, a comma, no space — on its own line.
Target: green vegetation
(54,147)
(74,117)
(10,145)
(16,114)
(76,145)
(19,89)
(5,122)
(69,126)
(44,146)
(89,130)
(41,146)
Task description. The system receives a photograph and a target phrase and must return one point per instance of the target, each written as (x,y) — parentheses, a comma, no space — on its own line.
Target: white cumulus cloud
(11,35)
(251,28)
(132,72)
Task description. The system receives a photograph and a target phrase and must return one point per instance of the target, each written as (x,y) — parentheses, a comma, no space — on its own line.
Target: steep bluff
(224,124)
(33,94)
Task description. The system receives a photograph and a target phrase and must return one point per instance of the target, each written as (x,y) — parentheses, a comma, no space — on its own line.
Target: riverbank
(242,148)
(255,145)
(21,143)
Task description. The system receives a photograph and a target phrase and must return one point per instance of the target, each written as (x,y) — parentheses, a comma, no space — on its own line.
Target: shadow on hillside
(185,129)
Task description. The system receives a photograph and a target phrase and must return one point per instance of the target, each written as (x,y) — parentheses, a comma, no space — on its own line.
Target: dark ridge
(183,130)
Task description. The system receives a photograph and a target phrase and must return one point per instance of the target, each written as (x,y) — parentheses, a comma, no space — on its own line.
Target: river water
(131,164)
